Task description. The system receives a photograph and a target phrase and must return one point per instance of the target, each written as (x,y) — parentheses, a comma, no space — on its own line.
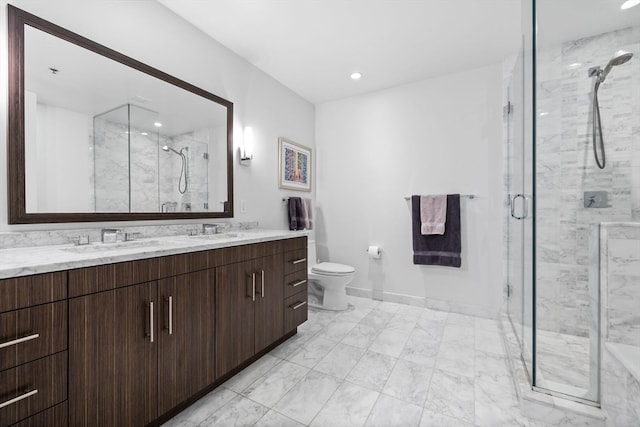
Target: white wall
(436,136)
(152,34)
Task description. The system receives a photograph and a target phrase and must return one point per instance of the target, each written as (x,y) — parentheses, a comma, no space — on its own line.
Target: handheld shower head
(167,149)
(619,58)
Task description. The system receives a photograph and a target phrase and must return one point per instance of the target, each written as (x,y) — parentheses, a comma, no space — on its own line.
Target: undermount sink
(105,247)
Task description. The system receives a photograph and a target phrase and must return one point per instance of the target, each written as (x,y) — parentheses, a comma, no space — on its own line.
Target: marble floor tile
(275,419)
(375,364)
(451,395)
(276,383)
(390,412)
(409,382)
(434,419)
(402,323)
(303,402)
(390,343)
(376,318)
(389,307)
(311,352)
(336,330)
(372,370)
(489,342)
(340,360)
(434,315)
(461,319)
(239,412)
(290,346)
(348,407)
(420,348)
(203,408)
(247,376)
(457,358)
(361,336)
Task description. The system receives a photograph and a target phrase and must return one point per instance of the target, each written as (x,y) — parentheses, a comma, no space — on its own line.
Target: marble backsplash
(25,239)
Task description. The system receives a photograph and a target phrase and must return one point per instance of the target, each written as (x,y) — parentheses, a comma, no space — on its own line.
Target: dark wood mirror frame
(16,127)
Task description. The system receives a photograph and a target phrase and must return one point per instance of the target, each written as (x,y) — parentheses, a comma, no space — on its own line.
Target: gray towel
(307,212)
(434,249)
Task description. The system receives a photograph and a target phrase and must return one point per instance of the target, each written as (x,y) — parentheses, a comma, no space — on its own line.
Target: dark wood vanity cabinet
(130,342)
(138,351)
(249,309)
(33,350)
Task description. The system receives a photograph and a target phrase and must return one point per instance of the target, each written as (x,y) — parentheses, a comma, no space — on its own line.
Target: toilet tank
(312,259)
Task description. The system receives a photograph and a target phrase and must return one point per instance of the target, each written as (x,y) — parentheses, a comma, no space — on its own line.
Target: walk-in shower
(600,76)
(182,188)
(573,263)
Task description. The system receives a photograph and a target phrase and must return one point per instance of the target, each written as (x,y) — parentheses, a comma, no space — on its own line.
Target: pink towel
(433,214)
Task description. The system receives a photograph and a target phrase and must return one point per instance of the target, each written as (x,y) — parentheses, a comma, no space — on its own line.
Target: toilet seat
(332,269)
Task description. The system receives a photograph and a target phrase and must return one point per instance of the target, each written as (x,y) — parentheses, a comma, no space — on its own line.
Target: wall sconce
(245,152)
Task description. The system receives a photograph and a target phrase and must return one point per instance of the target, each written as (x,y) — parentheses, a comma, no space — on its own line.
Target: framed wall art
(294,166)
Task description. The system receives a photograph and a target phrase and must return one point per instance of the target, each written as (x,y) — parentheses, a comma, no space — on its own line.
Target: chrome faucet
(210,229)
(110,235)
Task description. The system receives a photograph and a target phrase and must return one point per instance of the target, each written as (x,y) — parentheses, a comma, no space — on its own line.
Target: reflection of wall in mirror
(58,158)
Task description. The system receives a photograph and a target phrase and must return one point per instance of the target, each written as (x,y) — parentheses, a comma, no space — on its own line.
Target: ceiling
(312,46)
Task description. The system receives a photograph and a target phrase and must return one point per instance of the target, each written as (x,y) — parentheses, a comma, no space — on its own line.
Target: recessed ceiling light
(356,76)
(544,113)
(575,65)
(629,4)
(144,133)
(158,124)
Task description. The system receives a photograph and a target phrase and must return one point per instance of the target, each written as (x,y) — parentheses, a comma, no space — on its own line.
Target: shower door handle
(525,206)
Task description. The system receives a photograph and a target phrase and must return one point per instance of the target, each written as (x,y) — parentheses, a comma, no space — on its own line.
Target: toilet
(329,280)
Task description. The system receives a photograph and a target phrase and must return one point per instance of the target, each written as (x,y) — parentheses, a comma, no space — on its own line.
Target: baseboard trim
(434,304)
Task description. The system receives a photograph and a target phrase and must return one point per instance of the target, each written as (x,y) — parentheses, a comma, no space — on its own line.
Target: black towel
(296,214)
(436,249)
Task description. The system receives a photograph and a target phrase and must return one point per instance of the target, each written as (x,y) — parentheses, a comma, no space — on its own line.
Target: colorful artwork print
(295,166)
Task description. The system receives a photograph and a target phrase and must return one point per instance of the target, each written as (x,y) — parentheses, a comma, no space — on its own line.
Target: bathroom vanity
(132,335)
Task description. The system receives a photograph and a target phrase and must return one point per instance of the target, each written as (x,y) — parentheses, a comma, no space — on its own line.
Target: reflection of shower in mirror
(185,167)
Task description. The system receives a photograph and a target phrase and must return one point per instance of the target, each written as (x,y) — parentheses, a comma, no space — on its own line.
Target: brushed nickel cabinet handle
(298,261)
(301,282)
(170,300)
(18,399)
(151,321)
(298,305)
(253,276)
(19,340)
(262,283)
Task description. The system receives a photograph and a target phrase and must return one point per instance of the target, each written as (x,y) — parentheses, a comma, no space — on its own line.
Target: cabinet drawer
(295,243)
(89,280)
(295,261)
(295,311)
(295,282)
(47,376)
(55,416)
(21,292)
(32,333)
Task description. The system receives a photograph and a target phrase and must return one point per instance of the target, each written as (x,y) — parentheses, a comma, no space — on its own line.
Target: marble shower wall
(620,282)
(113,173)
(565,167)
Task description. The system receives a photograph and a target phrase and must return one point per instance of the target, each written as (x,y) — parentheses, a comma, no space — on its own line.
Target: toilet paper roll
(374,252)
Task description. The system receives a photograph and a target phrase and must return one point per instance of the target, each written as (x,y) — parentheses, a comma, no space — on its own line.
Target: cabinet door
(186,339)
(112,359)
(269,305)
(234,313)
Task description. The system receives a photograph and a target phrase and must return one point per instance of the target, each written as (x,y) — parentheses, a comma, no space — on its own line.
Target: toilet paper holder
(374,251)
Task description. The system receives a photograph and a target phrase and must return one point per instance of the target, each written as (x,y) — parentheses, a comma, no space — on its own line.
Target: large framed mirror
(94,135)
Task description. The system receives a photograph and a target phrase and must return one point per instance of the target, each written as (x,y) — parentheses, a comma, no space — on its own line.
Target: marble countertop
(42,259)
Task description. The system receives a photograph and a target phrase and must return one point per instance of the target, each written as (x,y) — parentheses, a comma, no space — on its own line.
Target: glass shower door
(519,232)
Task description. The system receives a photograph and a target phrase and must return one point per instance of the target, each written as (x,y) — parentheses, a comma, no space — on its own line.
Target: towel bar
(468,196)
